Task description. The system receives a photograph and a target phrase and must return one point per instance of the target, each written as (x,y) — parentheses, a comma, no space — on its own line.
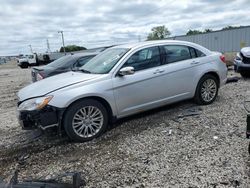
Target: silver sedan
(119,82)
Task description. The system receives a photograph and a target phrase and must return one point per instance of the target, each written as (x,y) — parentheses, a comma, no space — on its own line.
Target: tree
(228,27)
(159,32)
(193,32)
(72,48)
(208,30)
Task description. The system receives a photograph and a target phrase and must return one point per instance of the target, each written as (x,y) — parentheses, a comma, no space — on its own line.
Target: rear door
(181,66)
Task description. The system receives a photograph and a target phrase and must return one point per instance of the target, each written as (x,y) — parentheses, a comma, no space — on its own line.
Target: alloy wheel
(87,121)
(208,90)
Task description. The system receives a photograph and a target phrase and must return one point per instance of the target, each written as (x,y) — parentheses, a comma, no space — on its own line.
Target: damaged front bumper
(239,66)
(45,118)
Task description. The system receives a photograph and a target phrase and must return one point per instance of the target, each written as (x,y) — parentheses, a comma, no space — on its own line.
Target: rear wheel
(207,90)
(85,120)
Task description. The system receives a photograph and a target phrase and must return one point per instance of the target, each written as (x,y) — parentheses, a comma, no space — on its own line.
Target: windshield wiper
(85,71)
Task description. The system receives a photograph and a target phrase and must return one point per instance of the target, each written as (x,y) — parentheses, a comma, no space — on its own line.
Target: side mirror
(126,71)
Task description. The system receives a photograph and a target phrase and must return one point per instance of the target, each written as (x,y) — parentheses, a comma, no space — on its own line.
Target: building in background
(231,40)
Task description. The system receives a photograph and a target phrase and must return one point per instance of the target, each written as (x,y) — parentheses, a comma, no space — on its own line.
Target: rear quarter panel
(210,63)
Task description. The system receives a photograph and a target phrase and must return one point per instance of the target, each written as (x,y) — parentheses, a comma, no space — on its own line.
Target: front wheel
(207,90)
(24,65)
(85,120)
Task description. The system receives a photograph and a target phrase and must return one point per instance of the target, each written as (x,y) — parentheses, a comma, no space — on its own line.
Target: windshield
(61,62)
(104,62)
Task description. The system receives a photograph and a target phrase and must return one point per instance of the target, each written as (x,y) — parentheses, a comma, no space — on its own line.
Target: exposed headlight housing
(238,57)
(35,103)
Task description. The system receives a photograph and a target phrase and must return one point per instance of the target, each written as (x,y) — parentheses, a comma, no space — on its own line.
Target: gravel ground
(161,148)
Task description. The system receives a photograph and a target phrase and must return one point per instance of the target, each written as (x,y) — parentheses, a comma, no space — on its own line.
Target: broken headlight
(35,103)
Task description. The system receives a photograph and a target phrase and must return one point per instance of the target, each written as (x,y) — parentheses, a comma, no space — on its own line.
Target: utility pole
(48,48)
(31,48)
(62,41)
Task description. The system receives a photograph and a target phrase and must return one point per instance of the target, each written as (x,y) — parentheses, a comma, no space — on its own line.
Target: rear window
(62,62)
(199,53)
(192,52)
(83,60)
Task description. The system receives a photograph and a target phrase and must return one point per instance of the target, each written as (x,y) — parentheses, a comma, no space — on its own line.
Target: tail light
(39,76)
(222,58)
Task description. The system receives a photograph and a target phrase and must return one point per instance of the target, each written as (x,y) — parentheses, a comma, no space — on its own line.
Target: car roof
(160,42)
(153,42)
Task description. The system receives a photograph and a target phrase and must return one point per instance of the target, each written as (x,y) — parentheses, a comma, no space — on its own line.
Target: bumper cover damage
(45,118)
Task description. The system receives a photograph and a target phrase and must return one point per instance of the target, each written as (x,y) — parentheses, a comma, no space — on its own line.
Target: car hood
(246,51)
(54,83)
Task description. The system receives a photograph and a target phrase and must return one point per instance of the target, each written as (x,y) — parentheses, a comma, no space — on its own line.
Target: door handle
(158,71)
(194,62)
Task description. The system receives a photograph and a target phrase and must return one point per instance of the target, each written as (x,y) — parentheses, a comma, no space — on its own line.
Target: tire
(245,74)
(24,65)
(206,97)
(81,132)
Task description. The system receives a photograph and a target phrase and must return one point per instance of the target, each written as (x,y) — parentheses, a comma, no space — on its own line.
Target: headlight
(34,104)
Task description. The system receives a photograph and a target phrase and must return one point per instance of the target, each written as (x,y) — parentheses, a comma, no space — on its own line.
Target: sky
(95,23)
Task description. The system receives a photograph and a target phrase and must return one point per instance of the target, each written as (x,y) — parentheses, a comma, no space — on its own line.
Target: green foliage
(193,32)
(228,27)
(72,48)
(159,32)
(208,30)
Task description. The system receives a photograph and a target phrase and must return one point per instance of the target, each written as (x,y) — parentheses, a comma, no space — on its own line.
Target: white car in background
(121,81)
(242,62)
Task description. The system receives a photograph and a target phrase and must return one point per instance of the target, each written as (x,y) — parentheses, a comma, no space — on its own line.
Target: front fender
(64,97)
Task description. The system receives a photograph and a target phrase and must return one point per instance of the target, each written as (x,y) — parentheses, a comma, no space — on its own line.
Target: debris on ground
(233,79)
(190,112)
(56,182)
(136,152)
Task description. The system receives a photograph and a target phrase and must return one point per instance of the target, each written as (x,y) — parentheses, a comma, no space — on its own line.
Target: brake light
(39,76)
(223,58)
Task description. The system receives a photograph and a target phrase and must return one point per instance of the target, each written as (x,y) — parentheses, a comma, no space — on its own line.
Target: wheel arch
(196,96)
(213,73)
(97,98)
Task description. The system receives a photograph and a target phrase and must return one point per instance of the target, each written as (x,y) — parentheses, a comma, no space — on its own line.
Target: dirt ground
(181,145)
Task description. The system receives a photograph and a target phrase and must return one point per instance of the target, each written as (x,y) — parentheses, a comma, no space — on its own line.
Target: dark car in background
(61,65)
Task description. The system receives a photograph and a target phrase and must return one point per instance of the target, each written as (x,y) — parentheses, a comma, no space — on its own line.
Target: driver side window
(144,59)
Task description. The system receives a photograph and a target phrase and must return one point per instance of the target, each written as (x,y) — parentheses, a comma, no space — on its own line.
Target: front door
(139,91)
